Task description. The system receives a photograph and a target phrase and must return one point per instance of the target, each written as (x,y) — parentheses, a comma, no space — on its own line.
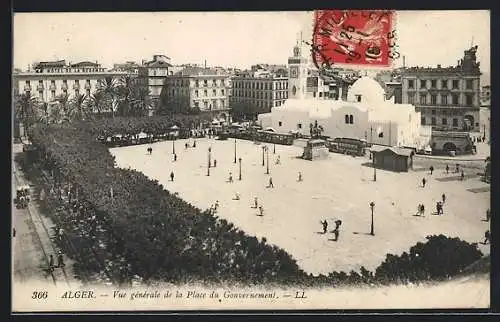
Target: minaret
(297,72)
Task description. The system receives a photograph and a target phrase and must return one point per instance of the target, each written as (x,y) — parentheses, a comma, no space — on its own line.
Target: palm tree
(25,108)
(58,112)
(97,102)
(110,89)
(79,107)
(141,102)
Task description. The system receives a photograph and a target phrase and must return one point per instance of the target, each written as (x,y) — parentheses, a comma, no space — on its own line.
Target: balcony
(52,87)
(64,87)
(39,87)
(27,88)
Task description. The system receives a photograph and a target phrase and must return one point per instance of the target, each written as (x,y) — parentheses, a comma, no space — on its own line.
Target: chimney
(404,61)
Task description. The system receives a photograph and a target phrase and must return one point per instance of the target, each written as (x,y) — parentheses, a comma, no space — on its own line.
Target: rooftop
(395,150)
(198,71)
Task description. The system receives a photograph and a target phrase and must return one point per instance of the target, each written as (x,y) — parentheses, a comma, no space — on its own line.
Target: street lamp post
(173,145)
(234,150)
(372,205)
(274,148)
(374,169)
(263,149)
(267,156)
(240,168)
(209,161)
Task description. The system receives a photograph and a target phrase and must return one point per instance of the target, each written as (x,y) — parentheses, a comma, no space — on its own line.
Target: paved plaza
(340,187)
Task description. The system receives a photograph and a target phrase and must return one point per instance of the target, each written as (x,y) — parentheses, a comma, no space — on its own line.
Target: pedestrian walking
(215,163)
(51,263)
(423,182)
(324,223)
(443,196)
(271,185)
(438,211)
(261,210)
(431,169)
(194,144)
(186,145)
(336,234)
(255,202)
(175,157)
(216,205)
(60,233)
(440,207)
(172,176)
(487,237)
(237,196)
(447,169)
(419,209)
(278,160)
(230,177)
(300,176)
(338,223)
(60,260)
(457,166)
(422,210)
(462,176)
(488,215)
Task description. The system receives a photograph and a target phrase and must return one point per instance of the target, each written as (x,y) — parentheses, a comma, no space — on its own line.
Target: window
(53,94)
(433,112)
(205,92)
(40,93)
(205,83)
(314,94)
(444,83)
(444,99)
(444,121)
(222,92)
(196,83)
(77,81)
(346,119)
(28,82)
(468,84)
(196,93)
(279,123)
(358,98)
(433,83)
(214,82)
(433,99)
(422,120)
(454,99)
(455,122)
(433,121)
(222,83)
(214,92)
(299,126)
(65,92)
(411,83)
(423,83)
(222,103)
(320,94)
(423,99)
(351,119)
(455,84)
(468,99)
(411,98)
(88,92)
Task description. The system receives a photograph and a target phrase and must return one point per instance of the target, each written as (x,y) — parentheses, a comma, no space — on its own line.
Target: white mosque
(366,114)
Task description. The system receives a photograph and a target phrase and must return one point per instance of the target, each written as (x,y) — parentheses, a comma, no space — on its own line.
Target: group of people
(60,262)
(335,231)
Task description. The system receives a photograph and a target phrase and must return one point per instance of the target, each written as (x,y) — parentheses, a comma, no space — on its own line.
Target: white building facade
(364,115)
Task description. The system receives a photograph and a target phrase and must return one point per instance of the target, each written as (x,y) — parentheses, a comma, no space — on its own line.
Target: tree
(25,109)
(97,102)
(111,90)
(79,107)
(244,111)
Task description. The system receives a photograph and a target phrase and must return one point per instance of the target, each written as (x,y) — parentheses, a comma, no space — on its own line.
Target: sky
(229,39)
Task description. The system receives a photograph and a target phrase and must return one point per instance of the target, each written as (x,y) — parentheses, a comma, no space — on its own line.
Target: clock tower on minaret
(297,73)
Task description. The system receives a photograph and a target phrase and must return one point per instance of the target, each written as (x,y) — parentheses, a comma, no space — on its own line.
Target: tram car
(22,197)
(274,137)
(347,146)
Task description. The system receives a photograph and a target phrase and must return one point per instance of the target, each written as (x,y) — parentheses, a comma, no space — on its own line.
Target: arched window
(346,119)
(351,119)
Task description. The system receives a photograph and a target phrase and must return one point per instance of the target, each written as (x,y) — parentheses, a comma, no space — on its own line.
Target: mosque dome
(366,90)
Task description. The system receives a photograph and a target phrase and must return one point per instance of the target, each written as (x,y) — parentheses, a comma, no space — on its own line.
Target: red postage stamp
(354,37)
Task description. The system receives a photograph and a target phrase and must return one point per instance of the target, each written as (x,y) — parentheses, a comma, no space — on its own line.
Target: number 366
(39,295)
